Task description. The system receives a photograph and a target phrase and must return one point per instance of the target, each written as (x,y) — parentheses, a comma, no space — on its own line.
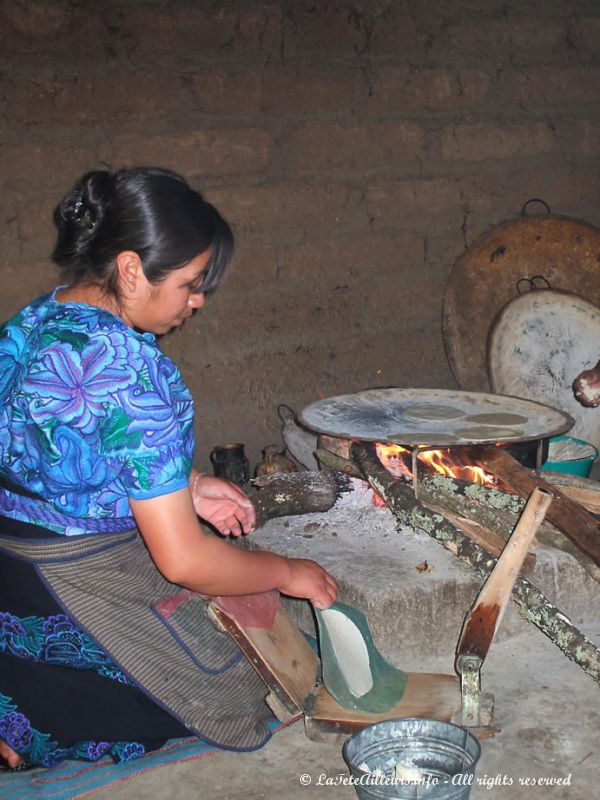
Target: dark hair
(151,211)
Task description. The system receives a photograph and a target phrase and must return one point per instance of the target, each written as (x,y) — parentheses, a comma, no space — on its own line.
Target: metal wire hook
(531,283)
(535,200)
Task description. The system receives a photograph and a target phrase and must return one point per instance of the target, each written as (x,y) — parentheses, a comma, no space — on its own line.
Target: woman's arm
(186,555)
(222,504)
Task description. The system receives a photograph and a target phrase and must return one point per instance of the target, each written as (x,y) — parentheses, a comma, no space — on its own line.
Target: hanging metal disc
(560,251)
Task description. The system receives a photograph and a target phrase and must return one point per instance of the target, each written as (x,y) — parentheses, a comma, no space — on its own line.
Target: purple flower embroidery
(72,386)
(130,750)
(97,412)
(10,352)
(154,411)
(57,623)
(16,731)
(96,750)
(55,757)
(11,625)
(81,471)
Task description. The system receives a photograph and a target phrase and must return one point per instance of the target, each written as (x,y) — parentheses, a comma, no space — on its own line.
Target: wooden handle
(482,621)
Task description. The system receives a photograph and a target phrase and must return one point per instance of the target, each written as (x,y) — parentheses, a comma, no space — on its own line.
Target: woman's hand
(586,387)
(310,580)
(222,504)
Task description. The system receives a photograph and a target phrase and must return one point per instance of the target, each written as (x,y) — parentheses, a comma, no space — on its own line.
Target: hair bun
(86,205)
(73,210)
(80,215)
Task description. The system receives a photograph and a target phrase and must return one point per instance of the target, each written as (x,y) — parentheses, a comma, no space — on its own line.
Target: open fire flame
(398,461)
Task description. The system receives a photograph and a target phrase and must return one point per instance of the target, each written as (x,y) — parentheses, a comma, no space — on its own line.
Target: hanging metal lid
(564,252)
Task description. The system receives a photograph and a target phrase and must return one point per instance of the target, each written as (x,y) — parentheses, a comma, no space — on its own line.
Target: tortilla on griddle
(494,432)
(432,412)
(500,418)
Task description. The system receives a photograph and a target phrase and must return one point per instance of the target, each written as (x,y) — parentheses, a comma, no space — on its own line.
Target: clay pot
(274,460)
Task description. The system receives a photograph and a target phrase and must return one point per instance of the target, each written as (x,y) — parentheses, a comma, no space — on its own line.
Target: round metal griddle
(564,251)
(399,416)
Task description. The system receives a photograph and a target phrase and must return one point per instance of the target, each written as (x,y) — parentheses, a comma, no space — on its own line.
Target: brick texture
(224,32)
(26,166)
(545,86)
(199,153)
(495,38)
(78,98)
(338,263)
(318,147)
(405,89)
(303,89)
(421,205)
(357,148)
(585,35)
(487,142)
(299,204)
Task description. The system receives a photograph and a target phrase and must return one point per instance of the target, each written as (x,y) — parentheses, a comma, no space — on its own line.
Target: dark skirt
(61,695)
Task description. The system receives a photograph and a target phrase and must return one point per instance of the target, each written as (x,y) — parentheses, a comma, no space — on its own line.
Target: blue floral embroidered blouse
(91,414)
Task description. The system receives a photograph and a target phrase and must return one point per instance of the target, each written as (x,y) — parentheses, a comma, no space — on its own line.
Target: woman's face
(159,307)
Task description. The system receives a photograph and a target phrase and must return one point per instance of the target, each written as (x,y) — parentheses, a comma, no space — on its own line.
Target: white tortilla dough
(569,450)
(407,773)
(489,432)
(432,412)
(350,651)
(499,418)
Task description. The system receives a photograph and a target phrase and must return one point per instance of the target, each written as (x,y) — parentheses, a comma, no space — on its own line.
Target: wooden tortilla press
(281,655)
(291,670)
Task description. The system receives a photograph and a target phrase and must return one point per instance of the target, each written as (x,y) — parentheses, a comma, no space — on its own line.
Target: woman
(100,649)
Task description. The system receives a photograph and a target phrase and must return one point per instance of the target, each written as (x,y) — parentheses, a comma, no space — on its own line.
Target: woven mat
(73,779)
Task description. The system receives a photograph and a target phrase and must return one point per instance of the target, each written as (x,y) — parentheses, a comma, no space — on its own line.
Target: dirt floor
(547,709)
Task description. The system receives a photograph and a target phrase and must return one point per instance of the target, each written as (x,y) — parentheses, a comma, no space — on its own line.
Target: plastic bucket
(445,756)
(575,466)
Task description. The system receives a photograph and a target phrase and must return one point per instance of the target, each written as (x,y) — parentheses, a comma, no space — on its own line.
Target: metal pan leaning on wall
(563,250)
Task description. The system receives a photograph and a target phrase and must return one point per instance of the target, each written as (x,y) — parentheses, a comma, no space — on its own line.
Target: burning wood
(495,468)
(535,606)
(489,527)
(453,464)
(486,513)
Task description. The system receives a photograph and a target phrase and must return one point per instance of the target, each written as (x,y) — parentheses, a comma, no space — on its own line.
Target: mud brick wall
(356,147)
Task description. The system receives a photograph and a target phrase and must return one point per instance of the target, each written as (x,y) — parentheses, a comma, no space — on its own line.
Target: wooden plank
(281,656)
(584,491)
(289,667)
(590,500)
(426,695)
(588,497)
(483,619)
(490,541)
(569,517)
